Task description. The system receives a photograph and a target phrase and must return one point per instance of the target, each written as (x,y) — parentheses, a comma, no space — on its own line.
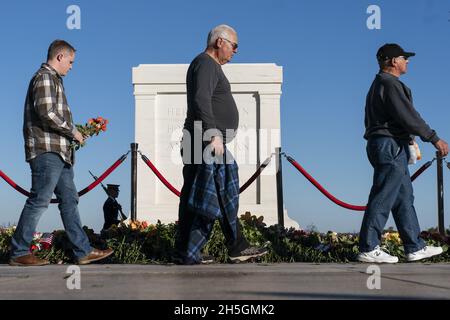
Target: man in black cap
(111,207)
(391,123)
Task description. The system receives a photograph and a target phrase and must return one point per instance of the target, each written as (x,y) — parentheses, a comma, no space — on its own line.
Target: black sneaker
(247,254)
(207,259)
(182,260)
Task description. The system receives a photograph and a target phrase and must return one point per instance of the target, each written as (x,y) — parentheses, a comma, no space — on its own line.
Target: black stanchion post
(280,201)
(440,190)
(134,151)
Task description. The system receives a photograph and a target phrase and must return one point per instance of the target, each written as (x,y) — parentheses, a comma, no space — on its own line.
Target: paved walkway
(228,282)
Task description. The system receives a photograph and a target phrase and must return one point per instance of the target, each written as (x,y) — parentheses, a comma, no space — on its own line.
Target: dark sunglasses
(234,45)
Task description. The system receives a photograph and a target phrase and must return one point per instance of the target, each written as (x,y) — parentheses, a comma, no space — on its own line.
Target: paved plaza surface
(227,282)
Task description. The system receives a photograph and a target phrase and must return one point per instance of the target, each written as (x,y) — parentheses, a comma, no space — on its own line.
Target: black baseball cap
(392,50)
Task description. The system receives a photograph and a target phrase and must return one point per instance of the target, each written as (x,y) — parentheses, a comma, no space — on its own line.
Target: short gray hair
(222,31)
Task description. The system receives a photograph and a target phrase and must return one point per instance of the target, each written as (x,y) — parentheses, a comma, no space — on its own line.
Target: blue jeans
(391,191)
(50,174)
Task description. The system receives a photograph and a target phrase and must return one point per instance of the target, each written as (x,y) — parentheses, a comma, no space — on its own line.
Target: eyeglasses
(234,45)
(381,58)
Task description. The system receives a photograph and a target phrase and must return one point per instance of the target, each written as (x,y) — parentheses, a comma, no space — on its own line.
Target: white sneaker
(424,253)
(376,256)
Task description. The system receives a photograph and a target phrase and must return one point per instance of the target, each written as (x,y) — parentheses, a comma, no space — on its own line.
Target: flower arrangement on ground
(143,242)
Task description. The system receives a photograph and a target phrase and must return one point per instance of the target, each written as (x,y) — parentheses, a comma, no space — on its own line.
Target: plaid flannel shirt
(215,191)
(48,125)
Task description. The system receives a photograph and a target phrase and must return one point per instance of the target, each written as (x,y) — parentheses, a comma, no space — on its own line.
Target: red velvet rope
(256,175)
(334,199)
(178,193)
(103,176)
(421,170)
(160,176)
(81,193)
(13,184)
(322,189)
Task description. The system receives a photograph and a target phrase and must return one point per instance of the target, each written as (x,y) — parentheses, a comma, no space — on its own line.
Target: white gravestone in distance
(160,93)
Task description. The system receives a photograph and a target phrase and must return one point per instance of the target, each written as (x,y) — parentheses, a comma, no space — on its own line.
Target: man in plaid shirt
(49,131)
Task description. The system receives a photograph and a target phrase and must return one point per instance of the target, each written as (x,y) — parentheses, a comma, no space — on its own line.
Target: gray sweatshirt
(390,111)
(209,97)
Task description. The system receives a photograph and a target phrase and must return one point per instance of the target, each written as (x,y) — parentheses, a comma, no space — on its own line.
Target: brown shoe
(28,261)
(96,255)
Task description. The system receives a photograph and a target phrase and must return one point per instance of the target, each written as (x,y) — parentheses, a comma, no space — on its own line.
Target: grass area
(141,243)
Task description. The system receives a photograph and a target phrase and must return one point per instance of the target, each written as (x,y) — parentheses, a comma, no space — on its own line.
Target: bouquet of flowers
(93,127)
(136,225)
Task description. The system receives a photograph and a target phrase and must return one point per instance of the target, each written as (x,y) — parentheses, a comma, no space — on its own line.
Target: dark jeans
(186,219)
(391,191)
(50,174)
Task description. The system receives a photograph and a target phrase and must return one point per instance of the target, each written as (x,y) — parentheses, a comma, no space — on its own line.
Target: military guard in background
(112,208)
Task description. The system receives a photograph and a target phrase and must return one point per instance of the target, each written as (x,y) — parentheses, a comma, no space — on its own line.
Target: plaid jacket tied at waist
(215,192)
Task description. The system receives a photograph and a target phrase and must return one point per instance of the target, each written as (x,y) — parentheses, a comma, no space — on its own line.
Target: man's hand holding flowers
(93,127)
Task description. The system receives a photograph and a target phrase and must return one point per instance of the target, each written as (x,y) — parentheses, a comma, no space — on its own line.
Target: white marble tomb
(160,96)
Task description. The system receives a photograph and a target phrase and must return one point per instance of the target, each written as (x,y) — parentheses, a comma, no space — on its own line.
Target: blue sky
(325,48)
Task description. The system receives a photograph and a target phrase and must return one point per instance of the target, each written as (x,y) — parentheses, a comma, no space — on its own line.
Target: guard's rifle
(124,217)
